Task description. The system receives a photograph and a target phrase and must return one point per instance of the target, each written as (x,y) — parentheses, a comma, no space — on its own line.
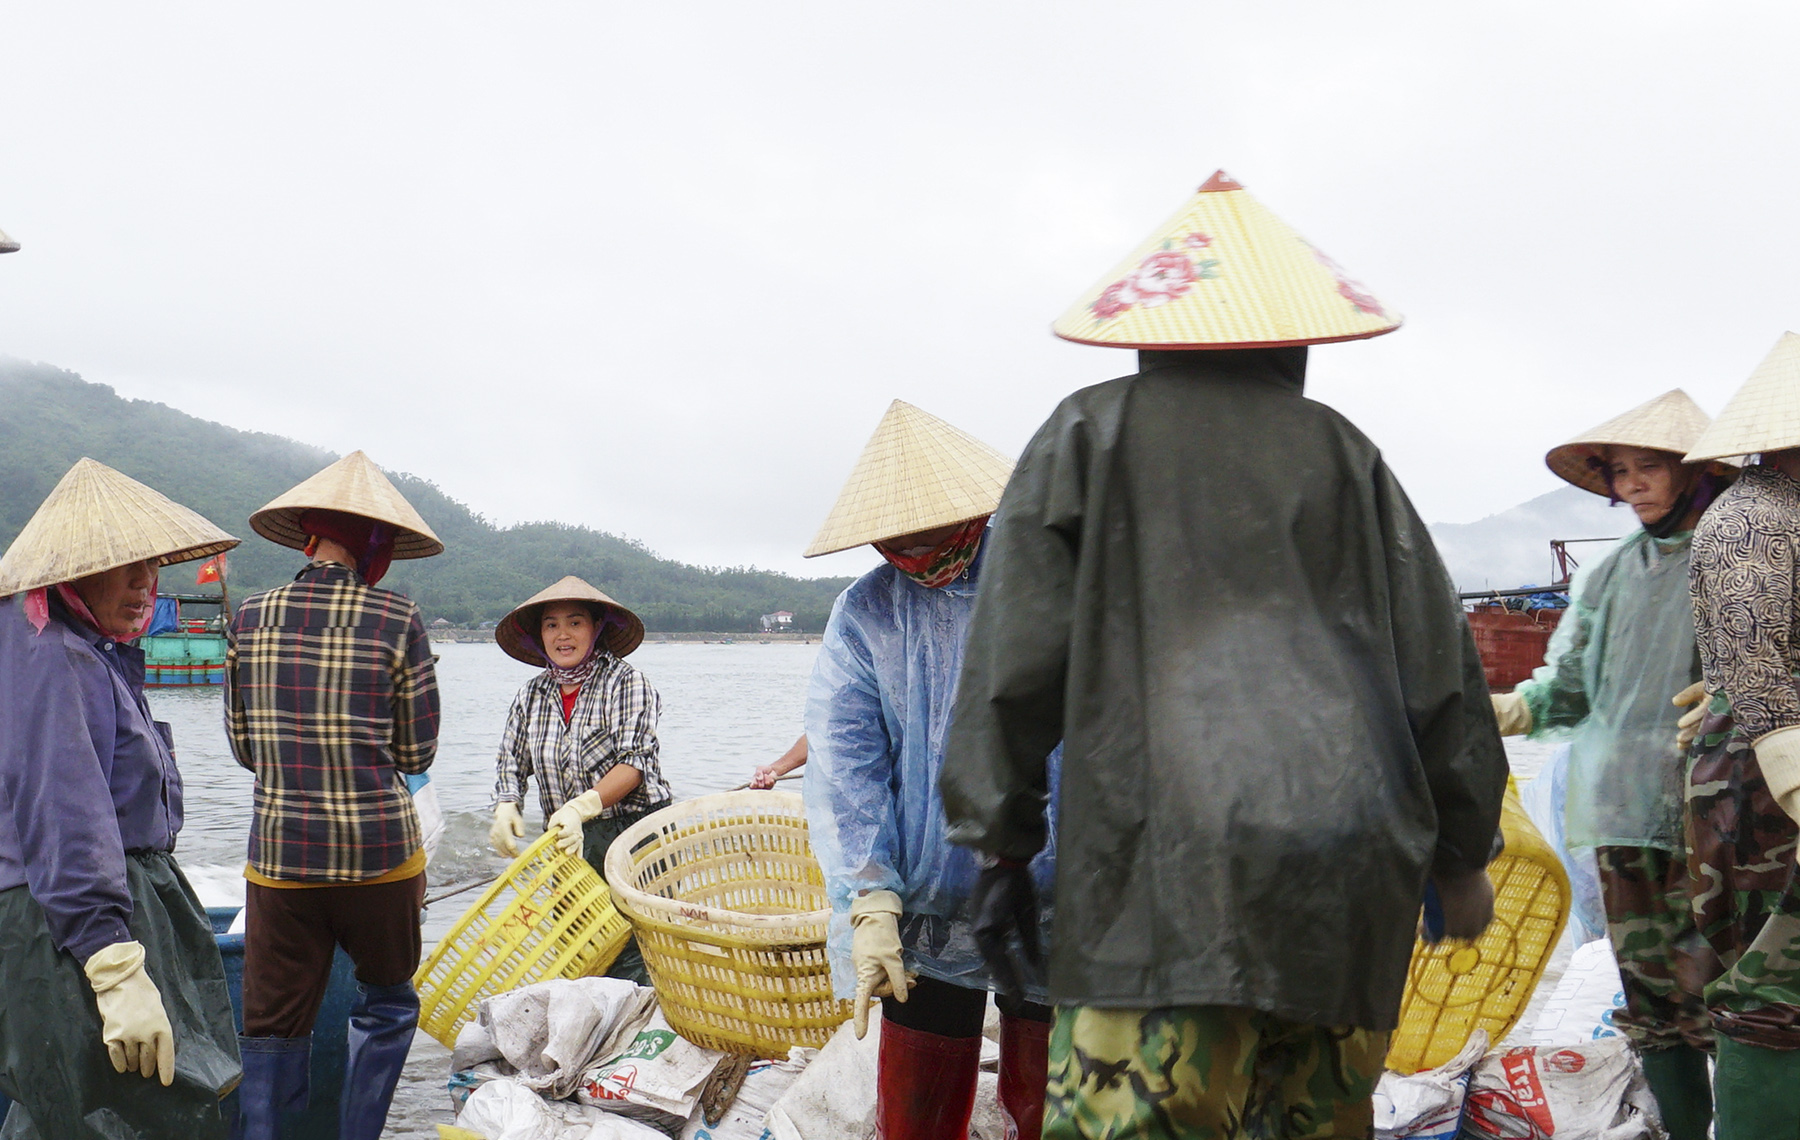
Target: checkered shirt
(614,723)
(331,700)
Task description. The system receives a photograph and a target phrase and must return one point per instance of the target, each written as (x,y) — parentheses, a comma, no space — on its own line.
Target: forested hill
(49,418)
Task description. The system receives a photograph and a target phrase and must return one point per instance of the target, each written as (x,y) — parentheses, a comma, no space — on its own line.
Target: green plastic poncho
(1625,646)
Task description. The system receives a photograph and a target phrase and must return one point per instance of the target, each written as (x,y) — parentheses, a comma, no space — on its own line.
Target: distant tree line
(49,418)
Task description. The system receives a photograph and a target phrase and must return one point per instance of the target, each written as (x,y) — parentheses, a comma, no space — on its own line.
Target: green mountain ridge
(50,417)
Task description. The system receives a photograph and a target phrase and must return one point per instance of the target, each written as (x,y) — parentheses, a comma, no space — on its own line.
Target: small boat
(1512,628)
(183,648)
(1511,639)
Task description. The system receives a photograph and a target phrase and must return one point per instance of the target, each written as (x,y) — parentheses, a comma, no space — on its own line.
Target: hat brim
(1219,346)
(815,552)
(281,525)
(1570,463)
(512,635)
(97,519)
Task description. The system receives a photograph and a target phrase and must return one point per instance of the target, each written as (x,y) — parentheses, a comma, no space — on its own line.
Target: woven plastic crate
(729,907)
(1455,987)
(549,915)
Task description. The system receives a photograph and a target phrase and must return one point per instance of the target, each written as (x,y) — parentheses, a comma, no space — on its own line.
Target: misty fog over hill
(1512,549)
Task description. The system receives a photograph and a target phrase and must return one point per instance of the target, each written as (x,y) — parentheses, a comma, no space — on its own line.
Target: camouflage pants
(1662,961)
(1207,1073)
(1741,858)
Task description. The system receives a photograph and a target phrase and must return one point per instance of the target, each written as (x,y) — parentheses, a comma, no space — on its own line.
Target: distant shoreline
(478,636)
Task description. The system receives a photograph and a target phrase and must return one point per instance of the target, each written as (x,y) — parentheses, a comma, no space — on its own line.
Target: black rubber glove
(1004,905)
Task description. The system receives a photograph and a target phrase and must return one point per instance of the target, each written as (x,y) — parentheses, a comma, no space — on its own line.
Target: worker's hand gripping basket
(549,915)
(729,907)
(1455,987)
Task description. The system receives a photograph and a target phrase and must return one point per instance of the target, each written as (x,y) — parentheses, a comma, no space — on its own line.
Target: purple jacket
(85,774)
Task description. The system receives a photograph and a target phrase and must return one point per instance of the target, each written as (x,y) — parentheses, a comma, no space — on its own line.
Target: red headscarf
(946,561)
(371,543)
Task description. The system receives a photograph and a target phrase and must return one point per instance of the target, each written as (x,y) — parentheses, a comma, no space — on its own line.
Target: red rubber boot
(1024,1071)
(925,1084)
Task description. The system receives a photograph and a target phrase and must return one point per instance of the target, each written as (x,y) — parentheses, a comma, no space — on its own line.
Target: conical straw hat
(1764,415)
(96,519)
(355,486)
(1671,422)
(1224,273)
(916,473)
(517,632)
(7,245)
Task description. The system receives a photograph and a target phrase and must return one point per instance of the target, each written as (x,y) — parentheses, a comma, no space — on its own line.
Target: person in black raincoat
(1275,725)
(116,1020)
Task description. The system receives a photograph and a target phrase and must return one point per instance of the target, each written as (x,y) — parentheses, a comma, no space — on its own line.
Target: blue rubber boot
(277,1080)
(381,1032)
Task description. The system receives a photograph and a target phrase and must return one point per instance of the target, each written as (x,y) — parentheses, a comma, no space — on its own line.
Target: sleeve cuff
(91,941)
(1778,755)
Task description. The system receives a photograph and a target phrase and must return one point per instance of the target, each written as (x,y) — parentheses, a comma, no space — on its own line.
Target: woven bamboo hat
(915,473)
(1764,415)
(7,245)
(96,519)
(355,486)
(517,633)
(1671,422)
(1224,272)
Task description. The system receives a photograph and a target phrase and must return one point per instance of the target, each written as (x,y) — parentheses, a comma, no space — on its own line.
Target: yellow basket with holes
(729,907)
(549,915)
(1454,988)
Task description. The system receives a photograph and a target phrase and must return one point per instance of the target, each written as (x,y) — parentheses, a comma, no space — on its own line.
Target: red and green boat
(186,644)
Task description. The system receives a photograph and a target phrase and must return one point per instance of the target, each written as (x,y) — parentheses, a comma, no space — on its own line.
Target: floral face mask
(946,561)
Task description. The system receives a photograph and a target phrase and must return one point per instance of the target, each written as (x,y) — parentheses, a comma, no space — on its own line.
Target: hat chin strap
(1671,522)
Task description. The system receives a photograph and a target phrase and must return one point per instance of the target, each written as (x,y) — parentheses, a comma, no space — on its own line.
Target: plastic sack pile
(1577,1080)
(593,1059)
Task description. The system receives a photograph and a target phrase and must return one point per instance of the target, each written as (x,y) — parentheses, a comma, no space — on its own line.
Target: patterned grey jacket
(1743,576)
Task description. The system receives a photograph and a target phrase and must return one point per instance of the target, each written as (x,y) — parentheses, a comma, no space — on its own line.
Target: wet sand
(422,1102)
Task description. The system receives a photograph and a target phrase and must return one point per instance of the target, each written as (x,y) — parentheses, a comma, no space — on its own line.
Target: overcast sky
(659,268)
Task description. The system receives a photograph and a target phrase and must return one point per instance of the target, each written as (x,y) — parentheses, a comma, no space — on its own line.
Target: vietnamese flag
(211,570)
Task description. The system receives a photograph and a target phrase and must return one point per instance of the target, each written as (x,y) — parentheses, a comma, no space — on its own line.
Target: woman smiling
(585,726)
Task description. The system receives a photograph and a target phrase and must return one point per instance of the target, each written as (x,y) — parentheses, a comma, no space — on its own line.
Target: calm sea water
(726,709)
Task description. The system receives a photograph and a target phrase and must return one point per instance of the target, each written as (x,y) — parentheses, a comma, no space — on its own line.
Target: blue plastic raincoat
(877,714)
(1625,646)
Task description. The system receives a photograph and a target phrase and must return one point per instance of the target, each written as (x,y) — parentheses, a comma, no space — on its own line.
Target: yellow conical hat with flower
(916,473)
(1224,272)
(1764,415)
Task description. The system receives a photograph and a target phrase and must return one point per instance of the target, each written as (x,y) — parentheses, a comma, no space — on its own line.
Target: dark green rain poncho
(1274,722)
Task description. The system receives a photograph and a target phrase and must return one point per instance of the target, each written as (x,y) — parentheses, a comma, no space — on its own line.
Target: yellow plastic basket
(1454,988)
(729,907)
(549,915)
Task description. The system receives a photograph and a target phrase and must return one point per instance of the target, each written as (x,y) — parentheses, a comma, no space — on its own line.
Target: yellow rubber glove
(1468,902)
(567,820)
(132,1020)
(1778,754)
(509,827)
(1688,726)
(875,952)
(1513,714)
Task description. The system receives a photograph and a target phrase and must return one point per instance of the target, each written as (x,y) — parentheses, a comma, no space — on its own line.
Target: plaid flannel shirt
(614,723)
(331,700)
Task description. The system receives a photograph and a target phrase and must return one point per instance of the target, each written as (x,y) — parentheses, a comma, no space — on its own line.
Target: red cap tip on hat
(1220,181)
